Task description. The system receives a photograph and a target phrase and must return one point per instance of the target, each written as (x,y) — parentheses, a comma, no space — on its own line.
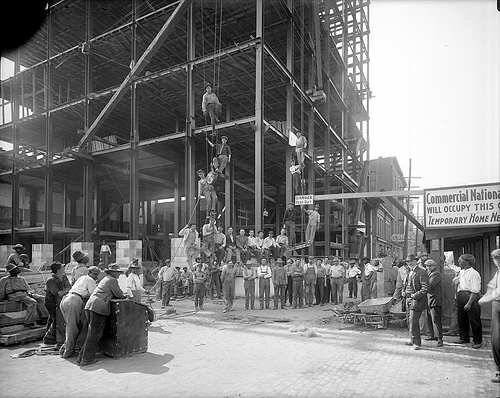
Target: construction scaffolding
(104,117)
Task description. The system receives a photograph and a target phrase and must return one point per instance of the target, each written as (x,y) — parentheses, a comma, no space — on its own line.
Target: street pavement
(261,353)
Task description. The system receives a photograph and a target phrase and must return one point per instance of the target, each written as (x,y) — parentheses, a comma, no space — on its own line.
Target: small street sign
(304,200)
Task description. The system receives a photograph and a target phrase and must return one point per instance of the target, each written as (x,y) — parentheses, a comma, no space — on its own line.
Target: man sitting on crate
(15,288)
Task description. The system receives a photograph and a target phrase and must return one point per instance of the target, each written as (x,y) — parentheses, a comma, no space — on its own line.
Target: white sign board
(304,200)
(467,206)
(397,238)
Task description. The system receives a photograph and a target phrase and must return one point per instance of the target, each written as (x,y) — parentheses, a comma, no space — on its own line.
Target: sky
(435,78)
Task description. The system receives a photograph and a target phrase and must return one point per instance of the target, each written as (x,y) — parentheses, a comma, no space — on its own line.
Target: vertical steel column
(259,116)
(345,112)
(326,152)
(64,205)
(49,181)
(177,200)
(229,214)
(97,208)
(311,177)
(87,168)
(15,151)
(190,165)
(289,102)
(134,138)
(319,66)
(33,207)
(87,201)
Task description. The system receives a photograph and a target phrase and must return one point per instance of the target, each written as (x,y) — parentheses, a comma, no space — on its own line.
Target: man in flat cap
(493,296)
(80,269)
(223,154)
(14,287)
(210,105)
(469,310)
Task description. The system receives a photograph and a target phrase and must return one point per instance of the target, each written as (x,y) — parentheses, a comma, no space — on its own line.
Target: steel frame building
(103,114)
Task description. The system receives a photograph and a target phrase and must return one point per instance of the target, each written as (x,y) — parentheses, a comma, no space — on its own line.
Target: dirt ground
(306,353)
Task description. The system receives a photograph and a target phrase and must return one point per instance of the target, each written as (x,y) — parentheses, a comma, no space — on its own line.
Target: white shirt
(370,268)
(494,285)
(282,239)
(269,242)
(352,272)
(264,271)
(470,280)
(84,286)
(253,241)
(133,283)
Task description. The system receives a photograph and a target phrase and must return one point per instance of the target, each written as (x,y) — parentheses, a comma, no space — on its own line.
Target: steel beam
(190,165)
(137,69)
(134,138)
(365,195)
(259,117)
(289,100)
(326,138)
(48,173)
(87,201)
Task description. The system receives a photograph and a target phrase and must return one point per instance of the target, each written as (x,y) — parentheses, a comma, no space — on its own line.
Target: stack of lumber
(12,314)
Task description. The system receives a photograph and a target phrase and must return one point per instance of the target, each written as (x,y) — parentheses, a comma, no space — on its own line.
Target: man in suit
(435,297)
(415,293)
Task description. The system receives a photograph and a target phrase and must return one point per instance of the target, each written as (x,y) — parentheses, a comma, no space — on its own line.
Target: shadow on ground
(147,363)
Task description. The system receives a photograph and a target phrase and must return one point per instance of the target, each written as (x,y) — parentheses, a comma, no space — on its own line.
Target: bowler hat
(79,255)
(10,267)
(223,137)
(18,246)
(113,268)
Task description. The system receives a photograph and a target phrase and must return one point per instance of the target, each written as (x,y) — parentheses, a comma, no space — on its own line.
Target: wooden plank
(10,306)
(22,336)
(11,329)
(12,318)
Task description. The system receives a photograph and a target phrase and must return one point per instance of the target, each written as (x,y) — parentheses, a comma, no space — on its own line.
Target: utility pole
(405,246)
(416,229)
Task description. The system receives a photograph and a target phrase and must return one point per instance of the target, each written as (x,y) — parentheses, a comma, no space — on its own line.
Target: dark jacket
(434,294)
(418,282)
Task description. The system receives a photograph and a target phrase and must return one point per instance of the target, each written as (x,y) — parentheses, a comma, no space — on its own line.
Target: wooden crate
(126,331)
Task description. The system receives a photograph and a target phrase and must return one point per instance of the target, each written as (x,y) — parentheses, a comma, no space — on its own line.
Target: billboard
(466,206)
